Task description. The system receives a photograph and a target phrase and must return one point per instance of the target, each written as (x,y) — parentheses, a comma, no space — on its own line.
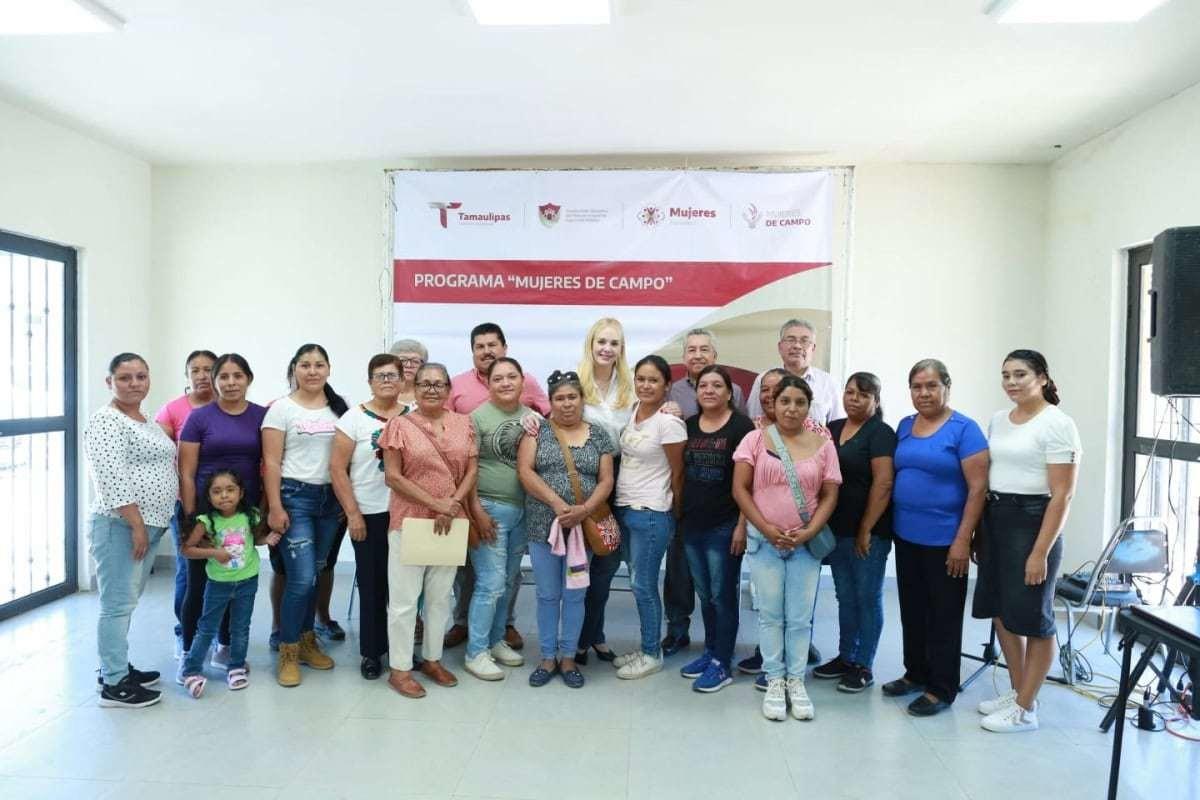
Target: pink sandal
(238,678)
(194,685)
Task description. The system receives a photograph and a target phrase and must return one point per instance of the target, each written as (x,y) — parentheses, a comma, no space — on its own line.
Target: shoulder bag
(600,527)
(824,542)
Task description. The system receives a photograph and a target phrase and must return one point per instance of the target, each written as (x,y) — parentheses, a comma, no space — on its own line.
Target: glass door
(38,525)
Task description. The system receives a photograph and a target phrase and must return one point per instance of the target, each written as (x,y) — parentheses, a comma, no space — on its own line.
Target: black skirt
(1011,523)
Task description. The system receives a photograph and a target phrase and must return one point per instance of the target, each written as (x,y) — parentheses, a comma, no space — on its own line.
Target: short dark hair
(869,383)
(505,360)
(485,328)
(382,360)
(124,358)
(717,369)
(790,381)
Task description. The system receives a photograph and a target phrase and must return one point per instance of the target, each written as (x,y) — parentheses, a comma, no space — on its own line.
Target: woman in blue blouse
(941,482)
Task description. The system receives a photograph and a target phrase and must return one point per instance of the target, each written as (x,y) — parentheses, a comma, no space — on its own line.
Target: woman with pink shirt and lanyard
(786,481)
(171,418)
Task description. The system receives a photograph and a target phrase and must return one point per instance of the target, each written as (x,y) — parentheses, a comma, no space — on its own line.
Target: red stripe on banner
(592,283)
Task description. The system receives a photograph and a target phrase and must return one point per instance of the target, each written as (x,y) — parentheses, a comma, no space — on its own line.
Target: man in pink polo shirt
(468,391)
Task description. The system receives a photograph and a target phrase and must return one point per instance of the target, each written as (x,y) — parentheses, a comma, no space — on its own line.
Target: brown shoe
(513,638)
(438,674)
(419,634)
(310,652)
(288,671)
(455,636)
(405,684)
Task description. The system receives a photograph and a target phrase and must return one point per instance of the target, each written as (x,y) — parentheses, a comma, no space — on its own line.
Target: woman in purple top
(941,480)
(224,435)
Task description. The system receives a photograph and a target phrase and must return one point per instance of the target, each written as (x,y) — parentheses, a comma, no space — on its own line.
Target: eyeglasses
(432,386)
(411,362)
(386,377)
(792,341)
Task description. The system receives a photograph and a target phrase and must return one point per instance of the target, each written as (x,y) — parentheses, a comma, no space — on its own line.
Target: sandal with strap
(238,678)
(194,685)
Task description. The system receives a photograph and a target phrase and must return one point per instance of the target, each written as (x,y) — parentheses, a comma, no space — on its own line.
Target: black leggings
(193,604)
(371,562)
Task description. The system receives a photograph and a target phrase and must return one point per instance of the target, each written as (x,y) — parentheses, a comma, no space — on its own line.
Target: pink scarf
(577,563)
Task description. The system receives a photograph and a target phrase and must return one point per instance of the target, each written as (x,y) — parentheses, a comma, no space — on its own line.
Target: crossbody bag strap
(437,449)
(572,472)
(789,469)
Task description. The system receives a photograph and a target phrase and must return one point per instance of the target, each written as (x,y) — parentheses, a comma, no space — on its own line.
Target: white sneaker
(220,656)
(178,647)
(774,705)
(797,695)
(506,655)
(179,669)
(1003,701)
(483,667)
(1012,719)
(625,658)
(640,666)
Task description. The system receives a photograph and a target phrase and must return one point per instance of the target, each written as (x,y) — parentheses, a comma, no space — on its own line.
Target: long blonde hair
(587,366)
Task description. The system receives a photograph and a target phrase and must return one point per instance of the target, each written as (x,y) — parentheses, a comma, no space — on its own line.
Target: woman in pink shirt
(171,417)
(780,525)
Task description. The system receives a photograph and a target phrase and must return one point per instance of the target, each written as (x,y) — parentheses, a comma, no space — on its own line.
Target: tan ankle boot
(310,652)
(288,672)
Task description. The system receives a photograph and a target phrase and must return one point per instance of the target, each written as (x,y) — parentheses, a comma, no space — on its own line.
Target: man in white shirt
(797,343)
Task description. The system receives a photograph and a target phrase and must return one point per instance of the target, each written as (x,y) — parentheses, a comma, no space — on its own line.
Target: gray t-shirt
(552,469)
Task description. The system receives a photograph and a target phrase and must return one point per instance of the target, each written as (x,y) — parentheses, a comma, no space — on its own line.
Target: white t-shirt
(645,476)
(1019,453)
(307,439)
(366,466)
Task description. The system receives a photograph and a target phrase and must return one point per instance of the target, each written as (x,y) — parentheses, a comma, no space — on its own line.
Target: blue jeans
(180,567)
(555,604)
(649,533)
(315,519)
(717,576)
(858,583)
(786,584)
(120,581)
(495,564)
(238,598)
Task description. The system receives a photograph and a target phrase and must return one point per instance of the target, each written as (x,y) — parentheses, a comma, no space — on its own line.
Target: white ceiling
(840,80)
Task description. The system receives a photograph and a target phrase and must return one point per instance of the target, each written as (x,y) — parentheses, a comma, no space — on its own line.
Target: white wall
(62,187)
(1117,191)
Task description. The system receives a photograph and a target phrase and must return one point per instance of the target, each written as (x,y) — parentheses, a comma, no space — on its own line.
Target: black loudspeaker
(1175,313)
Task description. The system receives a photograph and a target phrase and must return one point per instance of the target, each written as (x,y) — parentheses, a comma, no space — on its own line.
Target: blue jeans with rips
(315,519)
(858,583)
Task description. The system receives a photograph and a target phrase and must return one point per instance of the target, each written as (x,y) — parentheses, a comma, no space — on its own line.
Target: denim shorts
(1011,523)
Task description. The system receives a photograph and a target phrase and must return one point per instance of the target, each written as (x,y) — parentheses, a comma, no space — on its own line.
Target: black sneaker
(833,669)
(751,665)
(145,679)
(128,694)
(856,680)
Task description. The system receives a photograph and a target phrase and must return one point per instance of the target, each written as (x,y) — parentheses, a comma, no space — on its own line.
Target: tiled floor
(338,736)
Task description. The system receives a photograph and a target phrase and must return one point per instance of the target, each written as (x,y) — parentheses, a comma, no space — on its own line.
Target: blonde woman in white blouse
(134,483)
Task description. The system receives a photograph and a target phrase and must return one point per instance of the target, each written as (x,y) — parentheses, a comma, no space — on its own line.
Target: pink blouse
(422,463)
(770,489)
